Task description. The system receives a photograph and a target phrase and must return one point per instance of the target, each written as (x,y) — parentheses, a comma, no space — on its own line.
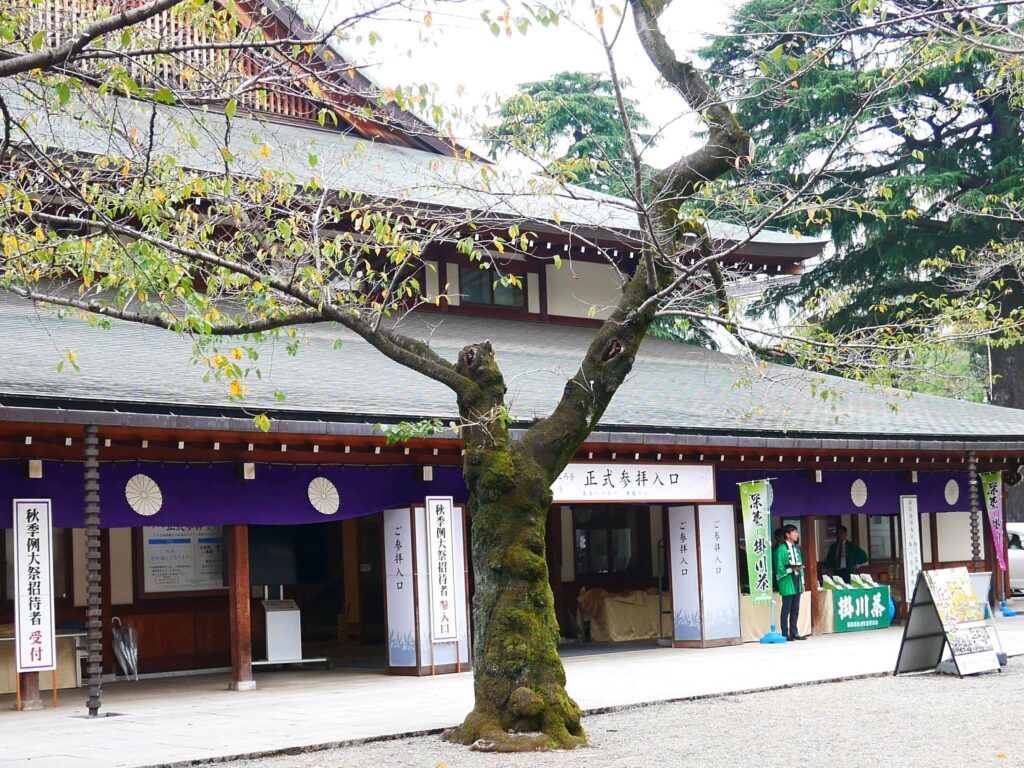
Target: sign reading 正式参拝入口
(854,610)
(441,568)
(634,482)
(755,503)
(35,641)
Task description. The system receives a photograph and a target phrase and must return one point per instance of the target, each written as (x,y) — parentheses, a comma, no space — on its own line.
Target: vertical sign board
(441,568)
(682,527)
(719,578)
(913,560)
(399,590)
(33,581)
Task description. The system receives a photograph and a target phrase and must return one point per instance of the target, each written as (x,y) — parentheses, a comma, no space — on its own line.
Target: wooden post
(812,564)
(94,597)
(972,484)
(28,687)
(238,607)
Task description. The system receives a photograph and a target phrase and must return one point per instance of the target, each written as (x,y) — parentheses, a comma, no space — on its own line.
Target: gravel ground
(932,721)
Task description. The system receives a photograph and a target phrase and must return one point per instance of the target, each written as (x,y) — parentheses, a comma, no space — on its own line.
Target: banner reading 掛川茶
(992,493)
(755,502)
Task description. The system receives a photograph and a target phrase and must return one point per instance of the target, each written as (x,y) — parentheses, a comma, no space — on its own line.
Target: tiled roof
(673,388)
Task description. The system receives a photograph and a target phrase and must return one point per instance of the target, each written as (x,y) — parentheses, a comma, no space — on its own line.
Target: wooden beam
(238,607)
(93,565)
(811,545)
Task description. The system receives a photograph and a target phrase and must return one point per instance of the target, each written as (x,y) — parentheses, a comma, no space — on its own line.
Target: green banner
(858,609)
(756,503)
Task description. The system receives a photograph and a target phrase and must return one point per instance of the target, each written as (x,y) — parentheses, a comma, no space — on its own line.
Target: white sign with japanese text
(682,540)
(441,542)
(399,574)
(634,482)
(913,560)
(182,558)
(718,573)
(33,583)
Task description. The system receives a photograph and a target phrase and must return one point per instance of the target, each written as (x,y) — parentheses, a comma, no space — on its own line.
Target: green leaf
(230,108)
(63,92)
(38,39)
(164,96)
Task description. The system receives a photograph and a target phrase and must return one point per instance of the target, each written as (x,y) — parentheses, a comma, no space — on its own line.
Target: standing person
(844,557)
(789,573)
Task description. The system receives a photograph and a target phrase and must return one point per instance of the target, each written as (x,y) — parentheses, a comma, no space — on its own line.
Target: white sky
(458,54)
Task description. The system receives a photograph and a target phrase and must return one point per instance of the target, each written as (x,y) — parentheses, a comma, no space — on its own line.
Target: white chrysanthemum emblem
(952,492)
(859,493)
(143,495)
(323,496)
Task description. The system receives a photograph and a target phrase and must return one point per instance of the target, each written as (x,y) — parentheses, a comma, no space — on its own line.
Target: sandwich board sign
(944,610)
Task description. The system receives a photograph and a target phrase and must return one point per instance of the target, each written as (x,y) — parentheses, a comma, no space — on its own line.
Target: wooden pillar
(93,565)
(812,564)
(28,698)
(350,576)
(238,606)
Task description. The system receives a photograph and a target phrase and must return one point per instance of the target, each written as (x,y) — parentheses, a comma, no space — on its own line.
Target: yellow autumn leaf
(235,388)
(219,361)
(39,235)
(428,19)
(71,357)
(237,353)
(265,151)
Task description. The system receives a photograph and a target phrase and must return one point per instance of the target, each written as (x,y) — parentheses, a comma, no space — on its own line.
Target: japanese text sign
(634,482)
(441,568)
(992,493)
(755,502)
(33,582)
(913,558)
(859,609)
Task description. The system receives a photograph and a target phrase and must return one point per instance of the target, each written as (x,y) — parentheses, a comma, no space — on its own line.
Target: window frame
(490,273)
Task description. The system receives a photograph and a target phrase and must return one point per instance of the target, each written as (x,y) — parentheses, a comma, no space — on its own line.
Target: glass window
(609,540)
(1015,541)
(483,286)
(881,538)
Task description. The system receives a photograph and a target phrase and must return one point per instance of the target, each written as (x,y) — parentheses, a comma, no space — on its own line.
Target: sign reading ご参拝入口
(33,585)
(854,610)
(634,482)
(441,568)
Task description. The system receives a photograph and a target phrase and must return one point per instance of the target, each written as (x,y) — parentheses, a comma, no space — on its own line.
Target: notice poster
(992,493)
(182,558)
(441,568)
(634,482)
(910,525)
(35,643)
(963,620)
(685,586)
(719,577)
(755,503)
(398,581)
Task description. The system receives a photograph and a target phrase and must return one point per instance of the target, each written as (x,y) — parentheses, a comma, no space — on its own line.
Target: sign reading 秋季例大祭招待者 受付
(441,568)
(634,482)
(854,610)
(33,585)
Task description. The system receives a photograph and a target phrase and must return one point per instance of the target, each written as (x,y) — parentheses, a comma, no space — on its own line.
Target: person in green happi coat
(844,557)
(789,575)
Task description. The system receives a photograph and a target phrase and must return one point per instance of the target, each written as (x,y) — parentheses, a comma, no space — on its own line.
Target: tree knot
(613,350)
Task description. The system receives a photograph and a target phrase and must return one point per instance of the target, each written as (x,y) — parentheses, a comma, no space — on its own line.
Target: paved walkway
(196,718)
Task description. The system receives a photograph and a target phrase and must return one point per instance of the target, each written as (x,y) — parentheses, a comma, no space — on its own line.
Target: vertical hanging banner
(992,492)
(33,583)
(913,560)
(399,589)
(441,568)
(685,587)
(755,503)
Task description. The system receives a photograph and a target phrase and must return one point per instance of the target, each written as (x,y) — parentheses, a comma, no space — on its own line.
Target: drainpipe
(972,483)
(94,599)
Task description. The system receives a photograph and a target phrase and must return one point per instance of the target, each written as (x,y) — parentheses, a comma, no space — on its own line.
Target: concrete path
(195,718)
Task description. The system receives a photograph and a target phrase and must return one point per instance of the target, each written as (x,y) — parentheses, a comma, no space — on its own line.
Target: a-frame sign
(945,609)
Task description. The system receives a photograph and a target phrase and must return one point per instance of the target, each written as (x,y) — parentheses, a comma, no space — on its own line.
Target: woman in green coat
(789,576)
